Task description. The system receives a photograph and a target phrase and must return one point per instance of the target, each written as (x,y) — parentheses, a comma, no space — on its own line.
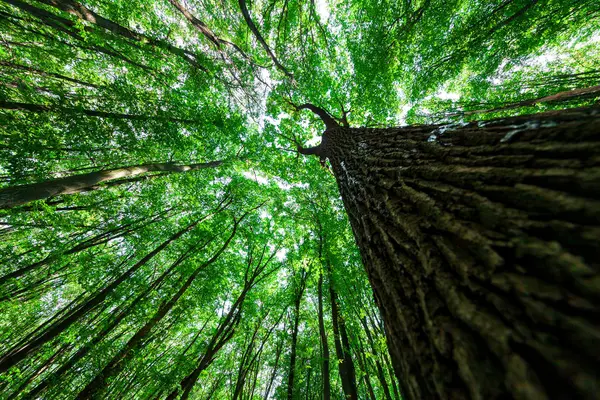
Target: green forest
(300,199)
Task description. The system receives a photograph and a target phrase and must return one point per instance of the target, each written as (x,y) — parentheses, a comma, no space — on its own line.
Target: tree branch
(261,40)
(197,23)
(321,113)
(309,151)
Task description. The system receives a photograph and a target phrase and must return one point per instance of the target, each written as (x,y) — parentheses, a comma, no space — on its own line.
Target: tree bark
(23,194)
(481,243)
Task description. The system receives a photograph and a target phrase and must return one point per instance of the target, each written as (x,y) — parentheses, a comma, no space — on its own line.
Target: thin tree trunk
(227,327)
(96,240)
(39,108)
(85,14)
(23,194)
(362,361)
(308,375)
(67,27)
(17,354)
(83,351)
(324,344)
(342,345)
(557,97)
(292,370)
(45,73)
(481,243)
(378,367)
(97,386)
(261,40)
(244,367)
(278,351)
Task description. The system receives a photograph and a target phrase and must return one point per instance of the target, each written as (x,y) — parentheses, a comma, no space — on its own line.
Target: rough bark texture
(481,242)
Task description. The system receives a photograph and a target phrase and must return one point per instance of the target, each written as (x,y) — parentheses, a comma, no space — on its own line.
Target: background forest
(160,234)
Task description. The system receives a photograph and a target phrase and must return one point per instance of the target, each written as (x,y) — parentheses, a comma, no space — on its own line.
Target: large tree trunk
(481,242)
(17,195)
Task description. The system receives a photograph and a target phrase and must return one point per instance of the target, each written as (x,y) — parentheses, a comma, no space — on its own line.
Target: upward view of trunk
(324,345)
(292,371)
(23,194)
(88,15)
(342,345)
(16,354)
(481,243)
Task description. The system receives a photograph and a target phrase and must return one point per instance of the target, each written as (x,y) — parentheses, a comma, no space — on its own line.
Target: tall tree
(342,343)
(18,195)
(472,236)
(300,286)
(324,344)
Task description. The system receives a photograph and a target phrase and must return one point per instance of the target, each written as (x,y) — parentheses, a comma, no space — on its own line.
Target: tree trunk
(481,243)
(37,71)
(342,345)
(324,344)
(97,387)
(278,351)
(227,327)
(18,353)
(297,300)
(88,15)
(379,368)
(23,194)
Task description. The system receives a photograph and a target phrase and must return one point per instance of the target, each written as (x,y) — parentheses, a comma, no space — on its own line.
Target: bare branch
(327,119)
(261,40)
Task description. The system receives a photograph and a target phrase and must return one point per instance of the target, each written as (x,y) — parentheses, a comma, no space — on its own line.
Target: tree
(299,291)
(14,196)
(464,232)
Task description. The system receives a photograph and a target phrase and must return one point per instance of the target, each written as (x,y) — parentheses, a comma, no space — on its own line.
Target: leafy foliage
(102,85)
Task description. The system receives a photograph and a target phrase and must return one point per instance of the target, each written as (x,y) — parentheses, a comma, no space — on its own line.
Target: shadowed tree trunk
(297,300)
(18,353)
(481,243)
(23,194)
(342,344)
(40,108)
(88,15)
(324,345)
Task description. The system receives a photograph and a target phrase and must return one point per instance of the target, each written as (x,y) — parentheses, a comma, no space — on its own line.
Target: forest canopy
(167,232)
